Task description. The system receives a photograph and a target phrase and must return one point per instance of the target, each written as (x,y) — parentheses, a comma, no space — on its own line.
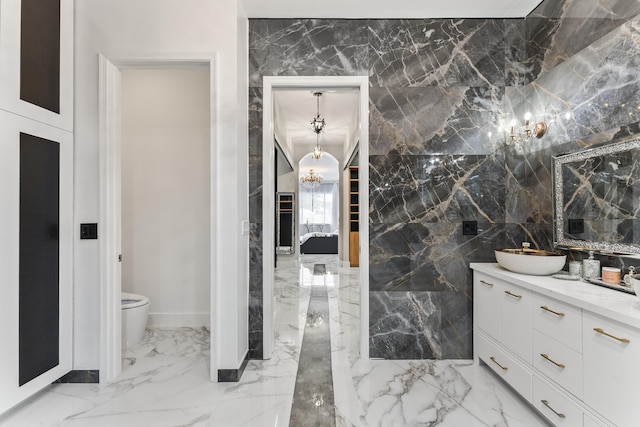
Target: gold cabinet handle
(546,356)
(545,308)
(601,331)
(558,414)
(513,295)
(493,359)
(486,283)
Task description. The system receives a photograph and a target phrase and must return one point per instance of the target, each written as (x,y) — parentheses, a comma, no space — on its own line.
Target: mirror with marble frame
(597,198)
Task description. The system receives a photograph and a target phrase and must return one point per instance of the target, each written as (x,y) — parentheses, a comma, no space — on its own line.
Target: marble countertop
(606,302)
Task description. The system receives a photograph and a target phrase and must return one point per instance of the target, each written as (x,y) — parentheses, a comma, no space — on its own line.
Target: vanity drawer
(514,373)
(558,320)
(560,363)
(555,406)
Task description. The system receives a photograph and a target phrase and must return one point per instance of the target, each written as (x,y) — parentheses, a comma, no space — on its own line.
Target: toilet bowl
(135,310)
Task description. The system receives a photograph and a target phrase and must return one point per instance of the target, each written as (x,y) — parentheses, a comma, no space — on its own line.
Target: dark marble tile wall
(437,90)
(440,89)
(289,47)
(255,218)
(307,47)
(559,29)
(437,52)
(583,79)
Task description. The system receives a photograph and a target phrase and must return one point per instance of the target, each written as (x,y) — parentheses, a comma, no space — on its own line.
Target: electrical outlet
(576,226)
(469,228)
(89,231)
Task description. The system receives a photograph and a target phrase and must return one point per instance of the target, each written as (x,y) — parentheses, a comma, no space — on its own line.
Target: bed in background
(319,243)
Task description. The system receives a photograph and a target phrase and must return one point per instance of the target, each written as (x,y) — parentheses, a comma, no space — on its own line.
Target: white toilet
(135,311)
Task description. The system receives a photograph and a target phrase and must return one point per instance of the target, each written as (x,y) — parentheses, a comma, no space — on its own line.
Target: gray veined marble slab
(432,52)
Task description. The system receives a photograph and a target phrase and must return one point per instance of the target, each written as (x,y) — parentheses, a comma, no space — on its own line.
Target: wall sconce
(523,133)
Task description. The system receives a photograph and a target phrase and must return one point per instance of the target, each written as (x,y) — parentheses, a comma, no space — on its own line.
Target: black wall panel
(40,53)
(39,256)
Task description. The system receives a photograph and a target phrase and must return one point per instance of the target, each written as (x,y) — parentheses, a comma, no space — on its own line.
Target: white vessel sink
(530,261)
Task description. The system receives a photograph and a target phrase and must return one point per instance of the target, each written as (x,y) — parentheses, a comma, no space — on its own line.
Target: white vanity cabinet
(569,348)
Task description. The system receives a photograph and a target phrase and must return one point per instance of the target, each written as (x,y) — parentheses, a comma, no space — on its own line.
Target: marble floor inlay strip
(319,269)
(313,402)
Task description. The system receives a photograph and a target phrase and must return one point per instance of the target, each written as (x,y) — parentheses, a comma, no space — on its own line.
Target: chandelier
(311,179)
(317,125)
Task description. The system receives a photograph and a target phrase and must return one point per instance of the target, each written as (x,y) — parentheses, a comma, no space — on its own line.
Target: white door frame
(268,202)
(110,111)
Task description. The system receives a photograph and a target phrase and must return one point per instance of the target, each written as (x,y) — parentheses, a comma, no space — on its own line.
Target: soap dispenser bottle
(590,267)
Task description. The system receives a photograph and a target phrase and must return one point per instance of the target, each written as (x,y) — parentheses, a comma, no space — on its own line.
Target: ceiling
(379,9)
(294,110)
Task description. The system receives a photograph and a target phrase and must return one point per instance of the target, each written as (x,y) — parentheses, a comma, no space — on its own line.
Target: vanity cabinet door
(486,291)
(515,320)
(611,360)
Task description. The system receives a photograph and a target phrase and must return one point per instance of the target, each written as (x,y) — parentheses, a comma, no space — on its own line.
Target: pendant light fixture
(311,179)
(317,125)
(317,151)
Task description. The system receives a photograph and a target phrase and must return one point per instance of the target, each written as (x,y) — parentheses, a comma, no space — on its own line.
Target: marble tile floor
(165,380)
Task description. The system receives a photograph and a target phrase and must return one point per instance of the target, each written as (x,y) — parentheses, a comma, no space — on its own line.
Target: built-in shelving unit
(354,217)
(285,221)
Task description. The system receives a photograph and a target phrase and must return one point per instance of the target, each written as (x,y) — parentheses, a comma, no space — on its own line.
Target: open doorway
(165,202)
(111,198)
(357,144)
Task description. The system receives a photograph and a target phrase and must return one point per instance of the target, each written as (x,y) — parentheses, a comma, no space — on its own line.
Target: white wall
(165,192)
(165,28)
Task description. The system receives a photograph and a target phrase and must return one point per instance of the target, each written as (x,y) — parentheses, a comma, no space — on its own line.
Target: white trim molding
(360,83)
(109,164)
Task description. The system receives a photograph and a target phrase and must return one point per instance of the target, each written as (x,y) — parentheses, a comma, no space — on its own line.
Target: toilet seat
(132,300)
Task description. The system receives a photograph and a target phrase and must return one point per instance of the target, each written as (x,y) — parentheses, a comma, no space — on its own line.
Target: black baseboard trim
(88,376)
(233,375)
